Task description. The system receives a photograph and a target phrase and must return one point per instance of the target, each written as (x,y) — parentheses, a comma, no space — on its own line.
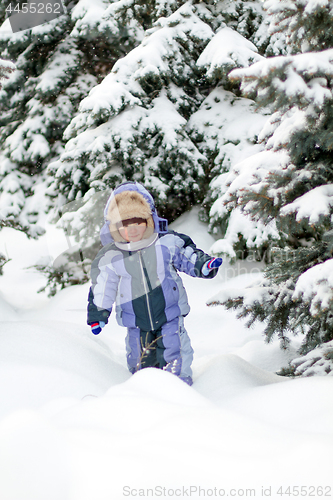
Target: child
(137,269)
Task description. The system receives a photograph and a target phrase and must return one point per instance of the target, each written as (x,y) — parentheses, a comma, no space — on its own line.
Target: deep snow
(75,425)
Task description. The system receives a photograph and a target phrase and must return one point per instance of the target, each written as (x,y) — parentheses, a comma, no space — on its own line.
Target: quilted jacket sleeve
(190,259)
(103,291)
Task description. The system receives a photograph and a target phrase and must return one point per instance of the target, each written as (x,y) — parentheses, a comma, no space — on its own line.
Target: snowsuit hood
(130,199)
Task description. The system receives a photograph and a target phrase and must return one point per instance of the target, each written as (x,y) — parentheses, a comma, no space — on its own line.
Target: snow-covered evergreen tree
(57,64)
(226,128)
(139,115)
(166,115)
(238,138)
(290,183)
(132,126)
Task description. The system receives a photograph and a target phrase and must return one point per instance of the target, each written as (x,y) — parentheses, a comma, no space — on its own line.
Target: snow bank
(228,375)
(154,432)
(42,360)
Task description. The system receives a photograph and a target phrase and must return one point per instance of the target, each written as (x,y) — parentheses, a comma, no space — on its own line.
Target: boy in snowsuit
(137,269)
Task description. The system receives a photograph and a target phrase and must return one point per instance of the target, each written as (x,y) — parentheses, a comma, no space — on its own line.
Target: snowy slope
(75,425)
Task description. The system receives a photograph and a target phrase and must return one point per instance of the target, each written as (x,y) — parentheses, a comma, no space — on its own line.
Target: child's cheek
(124,234)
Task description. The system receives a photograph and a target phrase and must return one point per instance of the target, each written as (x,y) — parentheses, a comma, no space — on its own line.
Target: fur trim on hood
(126,205)
(115,212)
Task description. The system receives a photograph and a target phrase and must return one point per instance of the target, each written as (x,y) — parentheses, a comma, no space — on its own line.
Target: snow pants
(168,348)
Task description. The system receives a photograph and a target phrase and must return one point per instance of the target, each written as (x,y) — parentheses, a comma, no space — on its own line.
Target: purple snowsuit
(142,279)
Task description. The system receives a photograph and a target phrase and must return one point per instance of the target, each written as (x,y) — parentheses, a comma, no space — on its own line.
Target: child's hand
(210,265)
(96,328)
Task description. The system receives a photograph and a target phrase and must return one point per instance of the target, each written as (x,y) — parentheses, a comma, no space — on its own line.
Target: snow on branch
(315,287)
(313,204)
(62,64)
(6,67)
(255,233)
(230,126)
(305,24)
(89,15)
(153,57)
(319,361)
(253,174)
(228,49)
(302,77)
(249,295)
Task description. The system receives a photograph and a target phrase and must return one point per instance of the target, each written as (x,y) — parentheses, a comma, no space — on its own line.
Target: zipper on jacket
(146,291)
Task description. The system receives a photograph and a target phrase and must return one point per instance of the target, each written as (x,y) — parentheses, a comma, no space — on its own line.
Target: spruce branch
(145,348)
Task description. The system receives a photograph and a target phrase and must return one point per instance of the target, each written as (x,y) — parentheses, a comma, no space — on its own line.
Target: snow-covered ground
(75,425)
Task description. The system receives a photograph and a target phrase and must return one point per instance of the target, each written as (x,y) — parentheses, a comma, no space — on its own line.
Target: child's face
(133,232)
